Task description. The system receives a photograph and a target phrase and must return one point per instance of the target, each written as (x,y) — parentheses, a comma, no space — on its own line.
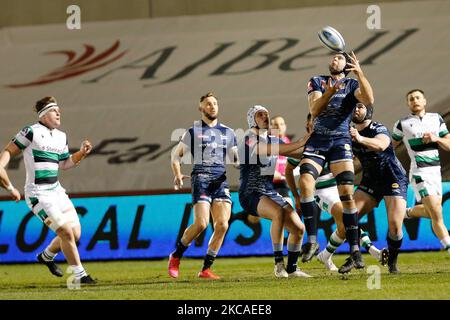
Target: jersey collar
(49,129)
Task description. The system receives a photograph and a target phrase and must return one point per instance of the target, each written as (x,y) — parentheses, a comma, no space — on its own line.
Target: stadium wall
(132,86)
(148,226)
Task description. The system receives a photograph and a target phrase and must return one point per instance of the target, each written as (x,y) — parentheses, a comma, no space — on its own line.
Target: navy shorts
(249,200)
(325,148)
(207,188)
(379,189)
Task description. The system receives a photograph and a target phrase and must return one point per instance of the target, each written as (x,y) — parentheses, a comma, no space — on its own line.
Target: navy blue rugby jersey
(209,147)
(256,171)
(336,117)
(379,165)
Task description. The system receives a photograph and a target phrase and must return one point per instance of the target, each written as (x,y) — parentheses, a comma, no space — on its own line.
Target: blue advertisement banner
(148,226)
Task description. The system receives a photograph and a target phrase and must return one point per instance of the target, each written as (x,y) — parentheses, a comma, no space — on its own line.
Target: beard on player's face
(210,116)
(335,70)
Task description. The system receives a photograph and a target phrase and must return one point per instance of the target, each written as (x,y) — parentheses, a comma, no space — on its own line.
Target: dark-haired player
(423,133)
(383,177)
(210,143)
(332,100)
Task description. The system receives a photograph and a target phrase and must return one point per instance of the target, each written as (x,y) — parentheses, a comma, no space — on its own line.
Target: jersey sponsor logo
(347,146)
(395,186)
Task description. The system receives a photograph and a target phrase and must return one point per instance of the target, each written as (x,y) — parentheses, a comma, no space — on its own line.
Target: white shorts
(327,197)
(54,208)
(426,182)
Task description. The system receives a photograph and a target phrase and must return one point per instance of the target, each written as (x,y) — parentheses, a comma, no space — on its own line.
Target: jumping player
(210,143)
(257,156)
(423,133)
(332,100)
(45,151)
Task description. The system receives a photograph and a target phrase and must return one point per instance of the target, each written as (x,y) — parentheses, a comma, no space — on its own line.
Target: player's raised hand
(354,64)
(86,147)
(333,88)
(178,181)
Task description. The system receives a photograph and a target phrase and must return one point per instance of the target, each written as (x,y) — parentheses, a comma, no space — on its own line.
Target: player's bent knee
(309,169)
(345,178)
(221,226)
(66,233)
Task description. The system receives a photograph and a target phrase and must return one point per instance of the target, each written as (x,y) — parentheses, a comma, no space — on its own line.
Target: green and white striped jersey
(411,130)
(43,149)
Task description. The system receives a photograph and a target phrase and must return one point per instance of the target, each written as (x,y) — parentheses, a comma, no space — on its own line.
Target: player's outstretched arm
(364,93)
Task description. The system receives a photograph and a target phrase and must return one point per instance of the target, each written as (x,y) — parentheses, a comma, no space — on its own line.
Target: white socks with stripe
(79,272)
(47,255)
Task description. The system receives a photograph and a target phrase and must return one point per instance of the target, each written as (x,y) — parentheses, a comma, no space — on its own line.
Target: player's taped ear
(308,168)
(345,178)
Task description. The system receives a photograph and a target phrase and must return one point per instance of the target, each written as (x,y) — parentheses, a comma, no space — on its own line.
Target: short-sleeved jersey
(209,147)
(43,149)
(335,119)
(411,129)
(379,165)
(256,171)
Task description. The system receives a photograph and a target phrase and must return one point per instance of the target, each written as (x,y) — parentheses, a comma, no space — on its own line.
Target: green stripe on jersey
(426,159)
(396,137)
(415,142)
(45,155)
(45,173)
(17,143)
(294,162)
(64,156)
(443,133)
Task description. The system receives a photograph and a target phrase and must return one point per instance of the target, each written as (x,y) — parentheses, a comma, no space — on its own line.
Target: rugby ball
(332,39)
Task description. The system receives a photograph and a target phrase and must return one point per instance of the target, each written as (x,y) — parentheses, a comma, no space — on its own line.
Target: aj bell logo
(76,65)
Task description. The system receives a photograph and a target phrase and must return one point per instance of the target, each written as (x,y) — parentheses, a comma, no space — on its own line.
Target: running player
(45,151)
(332,100)
(258,153)
(210,143)
(423,133)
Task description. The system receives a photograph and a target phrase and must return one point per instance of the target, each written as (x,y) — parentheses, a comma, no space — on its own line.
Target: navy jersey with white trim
(256,171)
(376,163)
(335,119)
(209,147)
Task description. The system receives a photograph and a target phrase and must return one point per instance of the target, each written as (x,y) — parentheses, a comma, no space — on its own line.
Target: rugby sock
(309,208)
(209,259)
(181,248)
(293,253)
(446,243)
(367,244)
(333,243)
(278,252)
(47,255)
(79,272)
(394,244)
(350,218)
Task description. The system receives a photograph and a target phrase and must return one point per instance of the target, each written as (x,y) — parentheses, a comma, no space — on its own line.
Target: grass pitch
(424,275)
